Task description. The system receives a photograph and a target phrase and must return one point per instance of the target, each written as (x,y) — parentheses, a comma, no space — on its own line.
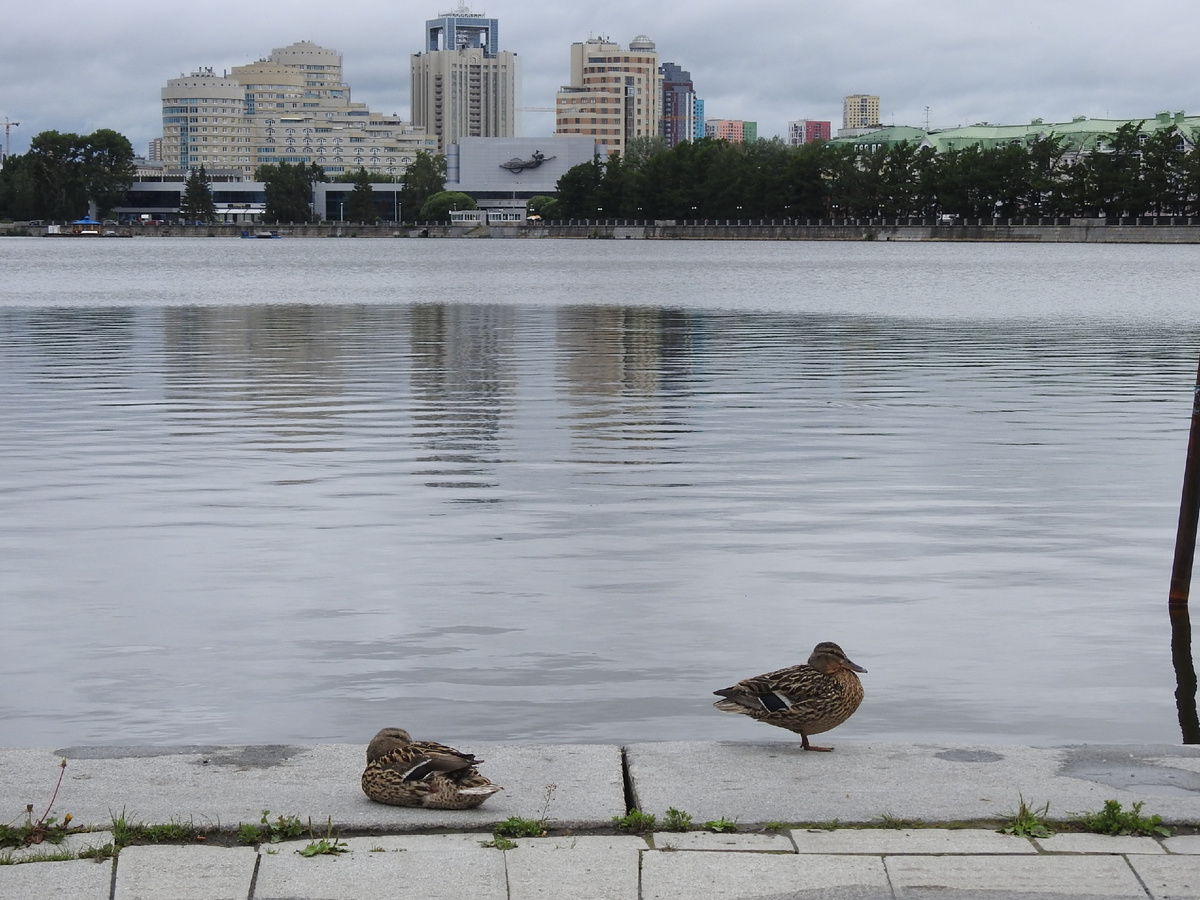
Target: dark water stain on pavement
(1133,768)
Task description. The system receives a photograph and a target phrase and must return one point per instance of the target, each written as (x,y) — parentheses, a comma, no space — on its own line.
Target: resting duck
(805,699)
(404,772)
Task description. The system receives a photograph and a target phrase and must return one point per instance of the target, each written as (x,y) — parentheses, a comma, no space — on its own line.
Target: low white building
(505,172)
(242,202)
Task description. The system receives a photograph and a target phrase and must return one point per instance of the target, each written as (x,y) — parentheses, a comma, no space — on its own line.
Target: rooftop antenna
(927,118)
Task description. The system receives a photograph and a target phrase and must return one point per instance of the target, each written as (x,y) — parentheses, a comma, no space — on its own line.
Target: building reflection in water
(275,372)
(625,371)
(463,386)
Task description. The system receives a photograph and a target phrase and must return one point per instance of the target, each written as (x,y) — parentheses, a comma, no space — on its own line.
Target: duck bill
(854,667)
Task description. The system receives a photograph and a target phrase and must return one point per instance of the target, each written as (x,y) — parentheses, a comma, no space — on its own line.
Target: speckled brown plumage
(404,772)
(807,699)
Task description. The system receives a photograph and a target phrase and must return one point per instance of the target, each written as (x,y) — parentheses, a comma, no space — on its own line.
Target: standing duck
(404,772)
(806,699)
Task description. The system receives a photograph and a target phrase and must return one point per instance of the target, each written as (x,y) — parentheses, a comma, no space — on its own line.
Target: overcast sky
(77,66)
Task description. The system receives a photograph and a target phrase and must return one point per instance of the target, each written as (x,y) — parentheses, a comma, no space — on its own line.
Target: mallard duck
(805,699)
(404,772)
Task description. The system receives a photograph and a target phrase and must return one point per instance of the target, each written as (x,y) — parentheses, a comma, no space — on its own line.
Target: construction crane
(8,125)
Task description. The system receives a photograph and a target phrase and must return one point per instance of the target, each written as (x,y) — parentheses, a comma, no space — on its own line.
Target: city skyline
(769,62)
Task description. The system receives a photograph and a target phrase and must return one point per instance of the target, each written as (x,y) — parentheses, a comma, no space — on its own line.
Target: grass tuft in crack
(1027,821)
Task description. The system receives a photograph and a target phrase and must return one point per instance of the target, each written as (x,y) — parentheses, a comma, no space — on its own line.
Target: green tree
(58,174)
(438,207)
(372,177)
(1164,172)
(288,187)
(108,168)
(362,200)
(576,188)
(197,203)
(19,195)
(425,176)
(1108,180)
(544,207)
(1045,196)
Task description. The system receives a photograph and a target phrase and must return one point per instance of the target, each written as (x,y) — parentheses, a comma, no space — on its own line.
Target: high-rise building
(154,151)
(860,111)
(805,131)
(615,95)
(291,107)
(682,110)
(463,84)
(736,131)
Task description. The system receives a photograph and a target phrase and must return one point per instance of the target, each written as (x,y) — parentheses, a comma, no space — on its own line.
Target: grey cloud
(78,66)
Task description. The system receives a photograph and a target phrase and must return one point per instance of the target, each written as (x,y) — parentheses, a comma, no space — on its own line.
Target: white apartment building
(291,107)
(614,95)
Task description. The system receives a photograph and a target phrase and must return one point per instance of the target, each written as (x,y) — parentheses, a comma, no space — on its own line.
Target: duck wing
(786,689)
(418,762)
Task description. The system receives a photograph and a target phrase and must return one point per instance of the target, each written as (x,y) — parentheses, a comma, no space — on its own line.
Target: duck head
(828,658)
(387,740)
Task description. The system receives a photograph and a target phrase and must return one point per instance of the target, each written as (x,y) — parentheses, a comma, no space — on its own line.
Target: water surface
(551,490)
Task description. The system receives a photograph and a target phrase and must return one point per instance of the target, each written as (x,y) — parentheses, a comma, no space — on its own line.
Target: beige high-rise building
(860,111)
(465,93)
(614,94)
(463,84)
(291,107)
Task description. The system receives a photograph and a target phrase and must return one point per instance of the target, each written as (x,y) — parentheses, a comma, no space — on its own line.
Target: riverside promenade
(798,818)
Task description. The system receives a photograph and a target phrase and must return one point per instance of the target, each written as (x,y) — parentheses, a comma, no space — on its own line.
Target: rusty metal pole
(1181,580)
(1189,510)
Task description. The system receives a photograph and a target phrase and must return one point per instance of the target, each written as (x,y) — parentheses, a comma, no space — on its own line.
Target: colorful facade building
(736,131)
(806,131)
(682,110)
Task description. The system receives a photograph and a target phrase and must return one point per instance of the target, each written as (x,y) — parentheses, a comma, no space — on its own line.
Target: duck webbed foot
(807,746)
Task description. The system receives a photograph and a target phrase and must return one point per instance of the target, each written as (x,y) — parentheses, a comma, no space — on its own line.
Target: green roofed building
(1081,135)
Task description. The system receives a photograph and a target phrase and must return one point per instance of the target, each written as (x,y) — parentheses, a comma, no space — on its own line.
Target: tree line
(288,188)
(1134,174)
(62,173)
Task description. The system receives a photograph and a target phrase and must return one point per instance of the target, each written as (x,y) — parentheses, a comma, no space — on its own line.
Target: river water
(297,490)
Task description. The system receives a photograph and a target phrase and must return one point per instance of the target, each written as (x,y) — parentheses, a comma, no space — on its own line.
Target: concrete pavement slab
(1056,876)
(82,879)
(1183,843)
(580,873)
(885,841)
(232,785)
(1099,843)
(399,843)
(709,840)
(584,842)
(73,844)
(861,782)
(751,876)
(185,873)
(1169,877)
(450,874)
